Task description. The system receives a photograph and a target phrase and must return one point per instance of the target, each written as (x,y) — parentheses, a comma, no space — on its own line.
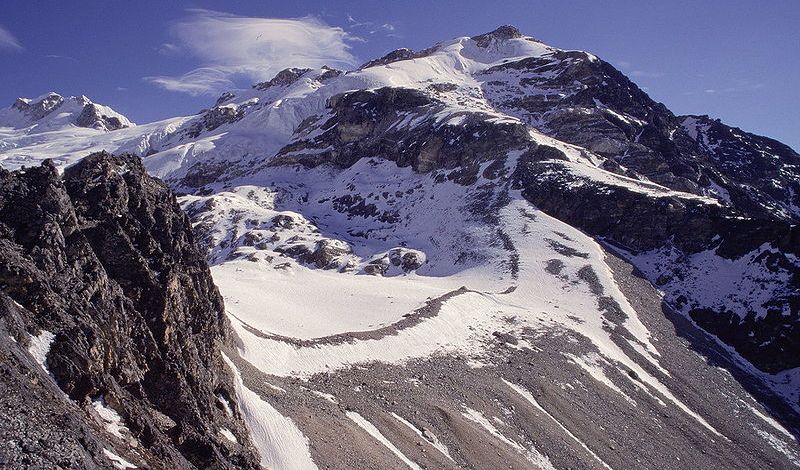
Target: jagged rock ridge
(101,279)
(450,191)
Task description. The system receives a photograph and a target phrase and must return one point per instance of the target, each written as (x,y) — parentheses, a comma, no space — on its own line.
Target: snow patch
(227,434)
(278,440)
(112,419)
(375,433)
(529,397)
(534,456)
(117,461)
(40,347)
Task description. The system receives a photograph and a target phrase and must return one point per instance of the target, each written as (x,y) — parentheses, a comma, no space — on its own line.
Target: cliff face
(101,280)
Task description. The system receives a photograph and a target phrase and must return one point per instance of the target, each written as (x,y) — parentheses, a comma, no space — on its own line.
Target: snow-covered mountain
(489,251)
(52,111)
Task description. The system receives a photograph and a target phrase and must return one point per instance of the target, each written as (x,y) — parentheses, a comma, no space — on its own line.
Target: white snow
(741,285)
(226,405)
(531,454)
(431,438)
(40,347)
(112,419)
(326,396)
(529,397)
(780,446)
(309,303)
(769,420)
(117,461)
(227,434)
(375,433)
(274,293)
(278,440)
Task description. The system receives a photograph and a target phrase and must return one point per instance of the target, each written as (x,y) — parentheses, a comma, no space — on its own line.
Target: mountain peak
(72,110)
(506,31)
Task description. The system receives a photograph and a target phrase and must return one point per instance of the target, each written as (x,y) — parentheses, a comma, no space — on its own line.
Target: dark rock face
(451,130)
(768,168)
(105,260)
(394,56)
(284,78)
(368,123)
(215,117)
(638,222)
(41,108)
(91,116)
(503,32)
(578,98)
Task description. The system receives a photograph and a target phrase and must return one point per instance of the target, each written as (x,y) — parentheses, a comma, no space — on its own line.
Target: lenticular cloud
(231,48)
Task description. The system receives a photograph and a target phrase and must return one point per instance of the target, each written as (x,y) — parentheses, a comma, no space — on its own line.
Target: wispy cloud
(232,48)
(58,56)
(8,41)
(169,48)
(739,86)
(371,27)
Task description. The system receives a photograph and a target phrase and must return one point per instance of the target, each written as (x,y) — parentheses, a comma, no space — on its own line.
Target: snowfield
(327,269)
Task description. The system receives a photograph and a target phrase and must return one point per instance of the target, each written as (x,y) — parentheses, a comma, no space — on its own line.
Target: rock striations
(101,280)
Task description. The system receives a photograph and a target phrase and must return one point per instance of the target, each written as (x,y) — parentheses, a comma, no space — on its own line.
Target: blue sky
(736,60)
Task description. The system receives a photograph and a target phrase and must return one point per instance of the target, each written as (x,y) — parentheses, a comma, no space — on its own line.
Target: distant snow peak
(52,111)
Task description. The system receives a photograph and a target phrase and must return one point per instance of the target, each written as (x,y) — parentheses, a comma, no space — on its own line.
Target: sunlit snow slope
(425,262)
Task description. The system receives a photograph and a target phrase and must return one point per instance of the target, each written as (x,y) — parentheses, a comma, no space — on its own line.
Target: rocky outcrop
(503,32)
(766,169)
(578,98)
(394,56)
(215,117)
(38,109)
(92,116)
(284,78)
(101,279)
(370,122)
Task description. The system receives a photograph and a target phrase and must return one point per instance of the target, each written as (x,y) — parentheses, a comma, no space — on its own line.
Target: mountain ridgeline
(488,252)
(101,277)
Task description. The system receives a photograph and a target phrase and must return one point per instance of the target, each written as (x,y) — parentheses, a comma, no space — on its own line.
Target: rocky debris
(405,259)
(542,401)
(687,184)
(637,222)
(328,254)
(106,261)
(324,254)
(283,78)
(378,266)
(684,183)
